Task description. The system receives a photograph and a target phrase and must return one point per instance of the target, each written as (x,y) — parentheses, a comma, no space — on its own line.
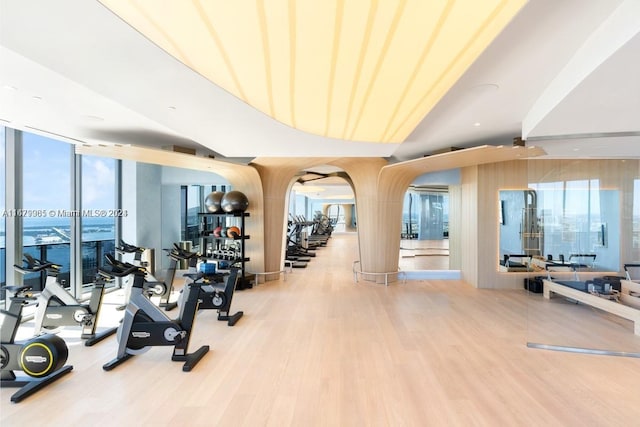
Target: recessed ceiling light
(92,118)
(171,107)
(9,87)
(36,98)
(485,87)
(476,124)
(576,149)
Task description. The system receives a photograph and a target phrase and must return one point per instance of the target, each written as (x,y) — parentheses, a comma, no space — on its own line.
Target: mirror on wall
(573,224)
(585,214)
(424,243)
(428,222)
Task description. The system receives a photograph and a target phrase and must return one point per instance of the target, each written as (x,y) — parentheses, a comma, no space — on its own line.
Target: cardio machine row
(41,359)
(145,325)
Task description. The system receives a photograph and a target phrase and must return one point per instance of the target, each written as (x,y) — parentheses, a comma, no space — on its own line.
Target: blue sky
(47,176)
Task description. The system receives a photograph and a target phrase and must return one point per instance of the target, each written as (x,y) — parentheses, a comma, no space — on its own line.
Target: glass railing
(93,257)
(3,269)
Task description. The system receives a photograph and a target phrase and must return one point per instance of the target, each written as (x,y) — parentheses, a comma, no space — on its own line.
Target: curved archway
(318,200)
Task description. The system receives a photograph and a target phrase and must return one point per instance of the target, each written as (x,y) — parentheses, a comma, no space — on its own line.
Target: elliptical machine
(42,358)
(216,291)
(164,289)
(145,325)
(57,307)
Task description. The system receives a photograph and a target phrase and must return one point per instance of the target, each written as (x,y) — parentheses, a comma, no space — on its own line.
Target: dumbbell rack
(217,248)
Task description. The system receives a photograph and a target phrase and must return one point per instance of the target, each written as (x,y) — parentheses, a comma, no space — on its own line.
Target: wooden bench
(613,307)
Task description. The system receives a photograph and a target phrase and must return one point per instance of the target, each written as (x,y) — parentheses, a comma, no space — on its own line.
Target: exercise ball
(212,201)
(234,201)
(233,232)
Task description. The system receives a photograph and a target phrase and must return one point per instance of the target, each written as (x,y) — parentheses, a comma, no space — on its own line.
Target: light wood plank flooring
(320,350)
(424,255)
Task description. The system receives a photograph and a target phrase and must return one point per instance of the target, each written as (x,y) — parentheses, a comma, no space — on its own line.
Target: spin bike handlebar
(20,292)
(120,269)
(126,248)
(180,254)
(35,265)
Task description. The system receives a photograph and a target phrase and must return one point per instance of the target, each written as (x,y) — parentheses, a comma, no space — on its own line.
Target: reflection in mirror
(424,244)
(587,215)
(572,224)
(183,194)
(425,229)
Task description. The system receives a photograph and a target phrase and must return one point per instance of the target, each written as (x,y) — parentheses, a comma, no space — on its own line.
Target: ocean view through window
(45,210)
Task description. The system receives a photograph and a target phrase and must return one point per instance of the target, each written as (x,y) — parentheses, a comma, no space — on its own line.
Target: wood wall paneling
(455,227)
(468,225)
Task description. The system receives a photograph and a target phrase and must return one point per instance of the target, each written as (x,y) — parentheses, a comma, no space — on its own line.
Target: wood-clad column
(390,200)
(455,227)
(379,218)
(277,176)
(275,186)
(377,222)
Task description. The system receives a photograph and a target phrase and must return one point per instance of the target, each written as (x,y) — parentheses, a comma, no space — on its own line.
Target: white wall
(151,197)
(141,198)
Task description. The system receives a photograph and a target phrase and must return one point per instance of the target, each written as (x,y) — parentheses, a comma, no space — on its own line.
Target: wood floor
(424,255)
(320,350)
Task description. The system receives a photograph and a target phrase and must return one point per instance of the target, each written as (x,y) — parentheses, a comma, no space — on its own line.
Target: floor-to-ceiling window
(195,202)
(41,210)
(46,199)
(192,199)
(99,213)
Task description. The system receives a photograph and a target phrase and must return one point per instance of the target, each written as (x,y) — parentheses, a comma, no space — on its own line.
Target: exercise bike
(216,291)
(145,325)
(42,359)
(57,307)
(164,289)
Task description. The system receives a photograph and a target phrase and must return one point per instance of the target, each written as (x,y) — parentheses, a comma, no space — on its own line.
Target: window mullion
(76,224)
(13,201)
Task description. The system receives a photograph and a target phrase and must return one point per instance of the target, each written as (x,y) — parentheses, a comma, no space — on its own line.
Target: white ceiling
(72,69)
